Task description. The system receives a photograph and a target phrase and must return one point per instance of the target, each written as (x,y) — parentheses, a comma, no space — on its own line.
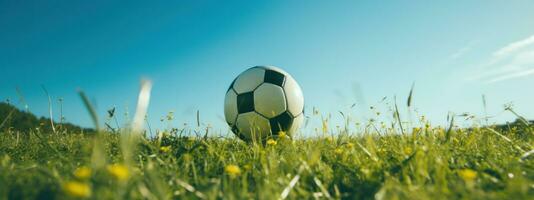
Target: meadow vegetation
(373,162)
(371,159)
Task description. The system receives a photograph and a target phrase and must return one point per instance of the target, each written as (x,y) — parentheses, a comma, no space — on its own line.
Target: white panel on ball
(230,107)
(249,80)
(295,99)
(269,100)
(252,124)
(274,69)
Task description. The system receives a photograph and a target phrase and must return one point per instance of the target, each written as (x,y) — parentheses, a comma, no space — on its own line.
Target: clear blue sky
(341,53)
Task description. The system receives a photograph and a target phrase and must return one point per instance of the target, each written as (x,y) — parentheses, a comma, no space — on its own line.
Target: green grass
(430,163)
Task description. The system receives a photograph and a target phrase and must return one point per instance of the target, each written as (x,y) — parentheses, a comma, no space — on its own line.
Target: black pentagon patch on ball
(274,77)
(281,122)
(231,86)
(236,131)
(245,102)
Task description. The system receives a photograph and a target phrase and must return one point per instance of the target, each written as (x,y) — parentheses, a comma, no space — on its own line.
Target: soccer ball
(262,102)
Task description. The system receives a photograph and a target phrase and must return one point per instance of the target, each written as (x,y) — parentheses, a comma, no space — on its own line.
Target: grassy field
(423,163)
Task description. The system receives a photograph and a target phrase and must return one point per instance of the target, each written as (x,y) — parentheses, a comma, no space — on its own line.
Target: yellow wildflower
(350,145)
(381,150)
(408,150)
(468,174)
(119,171)
(77,189)
(329,139)
(338,151)
(282,134)
(271,142)
(83,172)
(165,149)
(232,170)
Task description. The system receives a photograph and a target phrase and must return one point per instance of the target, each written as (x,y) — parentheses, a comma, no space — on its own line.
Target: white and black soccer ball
(262,102)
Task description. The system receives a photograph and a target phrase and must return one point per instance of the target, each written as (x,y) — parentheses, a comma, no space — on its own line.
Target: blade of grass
(397,114)
(7,118)
(409,102)
(291,184)
(50,109)
(90,109)
(190,188)
(506,139)
(129,141)
(448,133)
(98,156)
(142,105)
(527,154)
(520,118)
(367,152)
(198,118)
(323,189)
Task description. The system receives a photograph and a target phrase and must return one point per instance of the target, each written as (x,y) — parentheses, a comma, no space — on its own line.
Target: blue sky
(341,53)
